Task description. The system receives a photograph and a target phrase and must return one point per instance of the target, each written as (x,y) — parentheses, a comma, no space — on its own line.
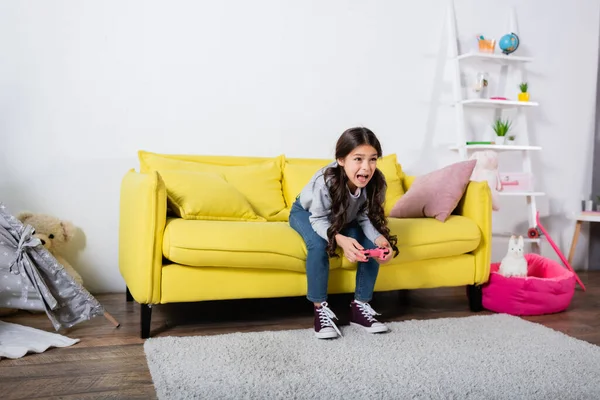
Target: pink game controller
(379,252)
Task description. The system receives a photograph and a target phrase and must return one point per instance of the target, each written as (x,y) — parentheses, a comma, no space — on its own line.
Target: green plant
(501,127)
(511,137)
(523,87)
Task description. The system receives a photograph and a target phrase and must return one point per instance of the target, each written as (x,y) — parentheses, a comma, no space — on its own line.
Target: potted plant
(524,95)
(501,128)
(510,139)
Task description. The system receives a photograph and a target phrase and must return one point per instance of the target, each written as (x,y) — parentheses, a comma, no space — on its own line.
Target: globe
(509,43)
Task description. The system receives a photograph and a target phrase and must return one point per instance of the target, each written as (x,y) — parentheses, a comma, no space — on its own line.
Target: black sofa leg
(474,294)
(146,316)
(128,295)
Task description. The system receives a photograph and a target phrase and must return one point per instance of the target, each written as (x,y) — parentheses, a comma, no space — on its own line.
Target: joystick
(378,252)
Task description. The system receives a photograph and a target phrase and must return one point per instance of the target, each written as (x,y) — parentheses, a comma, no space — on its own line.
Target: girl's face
(359,166)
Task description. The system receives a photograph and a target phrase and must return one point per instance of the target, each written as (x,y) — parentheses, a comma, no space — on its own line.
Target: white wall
(85,84)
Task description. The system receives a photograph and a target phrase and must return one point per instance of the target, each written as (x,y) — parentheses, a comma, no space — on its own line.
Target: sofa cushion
(298,171)
(201,195)
(427,238)
(435,194)
(270,245)
(392,171)
(275,245)
(297,174)
(259,181)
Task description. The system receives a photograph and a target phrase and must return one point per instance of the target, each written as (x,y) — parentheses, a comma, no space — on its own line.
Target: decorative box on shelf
(516,181)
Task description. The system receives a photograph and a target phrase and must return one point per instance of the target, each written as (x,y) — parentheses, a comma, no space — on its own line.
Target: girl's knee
(317,244)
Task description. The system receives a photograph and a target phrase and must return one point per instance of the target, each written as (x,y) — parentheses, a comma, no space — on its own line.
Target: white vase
(500,139)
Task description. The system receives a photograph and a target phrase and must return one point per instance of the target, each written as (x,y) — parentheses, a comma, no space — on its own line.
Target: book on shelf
(595,213)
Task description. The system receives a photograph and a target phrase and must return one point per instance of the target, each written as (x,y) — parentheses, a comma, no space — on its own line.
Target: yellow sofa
(196,228)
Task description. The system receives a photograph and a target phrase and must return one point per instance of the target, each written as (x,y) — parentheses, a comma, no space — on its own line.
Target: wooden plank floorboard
(55,387)
(145,392)
(110,363)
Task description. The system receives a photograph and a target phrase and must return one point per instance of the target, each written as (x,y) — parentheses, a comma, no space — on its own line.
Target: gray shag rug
(479,357)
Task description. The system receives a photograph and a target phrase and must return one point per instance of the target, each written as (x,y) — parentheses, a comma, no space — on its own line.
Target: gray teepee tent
(32,279)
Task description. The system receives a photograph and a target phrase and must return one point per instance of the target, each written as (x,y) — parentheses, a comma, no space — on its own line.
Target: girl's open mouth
(362,178)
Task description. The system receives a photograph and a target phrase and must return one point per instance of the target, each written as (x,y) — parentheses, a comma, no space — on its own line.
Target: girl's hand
(381,241)
(352,249)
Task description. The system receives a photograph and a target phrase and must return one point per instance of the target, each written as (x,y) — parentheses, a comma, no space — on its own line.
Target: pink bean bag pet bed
(548,288)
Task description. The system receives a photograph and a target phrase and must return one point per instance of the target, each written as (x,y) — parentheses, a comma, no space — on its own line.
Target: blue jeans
(317,260)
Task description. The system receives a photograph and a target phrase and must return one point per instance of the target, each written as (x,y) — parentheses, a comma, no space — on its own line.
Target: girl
(342,205)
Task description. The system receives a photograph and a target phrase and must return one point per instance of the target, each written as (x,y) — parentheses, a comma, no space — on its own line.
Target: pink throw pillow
(435,194)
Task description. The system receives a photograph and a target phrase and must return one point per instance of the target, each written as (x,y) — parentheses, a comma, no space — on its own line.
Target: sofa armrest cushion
(476,205)
(142,219)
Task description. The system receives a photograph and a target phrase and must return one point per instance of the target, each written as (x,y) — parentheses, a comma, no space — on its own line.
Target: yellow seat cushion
(206,195)
(427,238)
(270,245)
(258,181)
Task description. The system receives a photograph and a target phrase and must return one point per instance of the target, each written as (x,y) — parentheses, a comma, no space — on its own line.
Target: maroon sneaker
(325,328)
(361,314)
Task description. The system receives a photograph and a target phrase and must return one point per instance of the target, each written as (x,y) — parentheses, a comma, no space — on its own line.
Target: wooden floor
(110,363)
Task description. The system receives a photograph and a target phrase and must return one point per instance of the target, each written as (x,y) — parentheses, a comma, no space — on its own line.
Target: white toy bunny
(514,263)
(486,169)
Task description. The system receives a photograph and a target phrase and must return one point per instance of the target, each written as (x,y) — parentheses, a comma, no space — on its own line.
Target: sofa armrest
(142,219)
(476,204)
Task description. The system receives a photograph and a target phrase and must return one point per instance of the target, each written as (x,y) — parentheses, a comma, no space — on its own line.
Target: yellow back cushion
(259,180)
(392,171)
(207,196)
(147,157)
(269,184)
(297,172)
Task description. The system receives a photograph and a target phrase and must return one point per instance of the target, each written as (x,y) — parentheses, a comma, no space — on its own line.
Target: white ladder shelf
(463,105)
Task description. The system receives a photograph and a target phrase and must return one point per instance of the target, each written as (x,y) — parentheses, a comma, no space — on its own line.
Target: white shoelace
(367,311)
(326,317)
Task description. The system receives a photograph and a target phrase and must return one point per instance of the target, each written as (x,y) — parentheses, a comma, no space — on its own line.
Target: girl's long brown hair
(338,190)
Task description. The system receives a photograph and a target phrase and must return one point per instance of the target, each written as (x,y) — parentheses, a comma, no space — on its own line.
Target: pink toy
(548,288)
(379,252)
(486,169)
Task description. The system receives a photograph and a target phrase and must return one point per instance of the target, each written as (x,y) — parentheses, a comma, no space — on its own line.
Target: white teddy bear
(486,169)
(514,263)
